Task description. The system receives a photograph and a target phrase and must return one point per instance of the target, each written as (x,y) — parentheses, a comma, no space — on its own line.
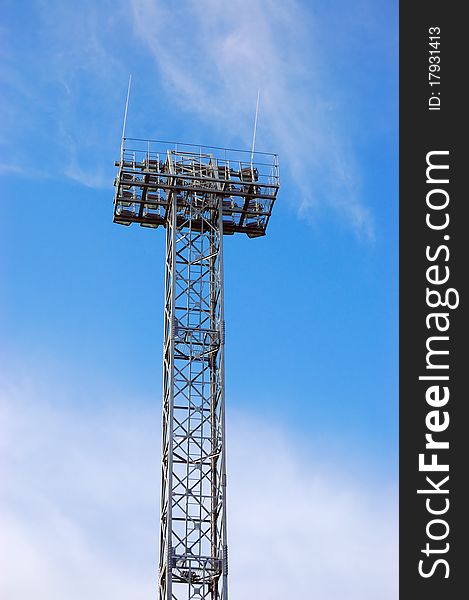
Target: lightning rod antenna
(255,126)
(125,111)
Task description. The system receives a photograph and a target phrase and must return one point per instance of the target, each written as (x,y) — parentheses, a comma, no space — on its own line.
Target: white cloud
(211,57)
(10,169)
(301,527)
(62,100)
(214,56)
(79,506)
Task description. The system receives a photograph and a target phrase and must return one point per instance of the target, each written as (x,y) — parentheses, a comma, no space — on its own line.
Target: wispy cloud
(79,508)
(9,169)
(213,58)
(62,89)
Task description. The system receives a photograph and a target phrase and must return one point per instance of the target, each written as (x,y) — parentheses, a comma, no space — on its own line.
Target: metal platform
(151,172)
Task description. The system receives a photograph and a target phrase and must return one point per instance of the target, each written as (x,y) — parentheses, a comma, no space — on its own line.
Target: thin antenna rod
(126,109)
(255,126)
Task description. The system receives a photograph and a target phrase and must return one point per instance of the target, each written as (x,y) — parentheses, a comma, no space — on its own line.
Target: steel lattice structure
(198,194)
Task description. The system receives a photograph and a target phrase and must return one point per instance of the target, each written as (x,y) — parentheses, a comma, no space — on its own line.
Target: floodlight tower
(198,194)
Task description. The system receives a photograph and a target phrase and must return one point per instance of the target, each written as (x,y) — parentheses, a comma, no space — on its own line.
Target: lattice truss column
(198,194)
(193,551)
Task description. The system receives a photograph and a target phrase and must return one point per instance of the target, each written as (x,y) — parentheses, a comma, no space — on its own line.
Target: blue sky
(311,309)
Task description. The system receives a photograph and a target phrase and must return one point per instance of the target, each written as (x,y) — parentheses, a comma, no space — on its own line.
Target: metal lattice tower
(198,194)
